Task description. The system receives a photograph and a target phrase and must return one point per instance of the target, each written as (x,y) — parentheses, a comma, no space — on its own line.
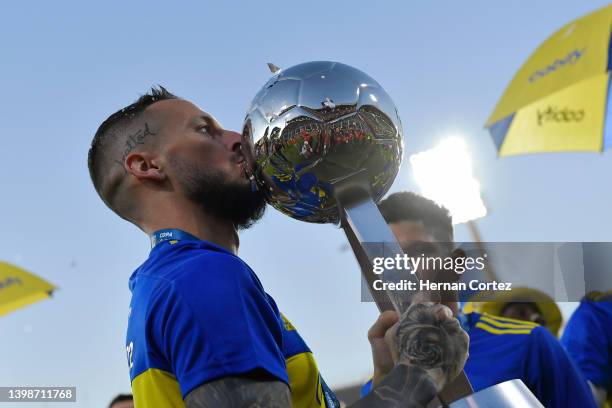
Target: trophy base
(509,394)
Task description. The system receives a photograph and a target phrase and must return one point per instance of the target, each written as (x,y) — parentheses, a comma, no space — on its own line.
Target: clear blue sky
(65,66)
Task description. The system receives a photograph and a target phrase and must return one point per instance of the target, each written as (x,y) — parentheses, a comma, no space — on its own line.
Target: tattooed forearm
(430,338)
(133,140)
(239,392)
(431,349)
(405,386)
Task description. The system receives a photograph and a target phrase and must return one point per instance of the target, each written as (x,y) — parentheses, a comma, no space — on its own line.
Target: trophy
(327,145)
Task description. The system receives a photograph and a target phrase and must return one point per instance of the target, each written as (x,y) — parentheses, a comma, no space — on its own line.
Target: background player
(588,339)
(501,349)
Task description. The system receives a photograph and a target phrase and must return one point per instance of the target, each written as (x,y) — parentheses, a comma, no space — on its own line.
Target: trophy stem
(370,237)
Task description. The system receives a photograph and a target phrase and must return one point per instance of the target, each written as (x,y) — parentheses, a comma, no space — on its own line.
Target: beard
(234,201)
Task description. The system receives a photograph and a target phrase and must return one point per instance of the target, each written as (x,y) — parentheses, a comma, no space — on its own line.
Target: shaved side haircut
(120,134)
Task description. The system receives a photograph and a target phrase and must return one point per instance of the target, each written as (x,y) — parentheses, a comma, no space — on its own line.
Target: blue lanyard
(171,235)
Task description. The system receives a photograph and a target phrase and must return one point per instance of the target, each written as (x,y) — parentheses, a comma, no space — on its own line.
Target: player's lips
(238,158)
(241,161)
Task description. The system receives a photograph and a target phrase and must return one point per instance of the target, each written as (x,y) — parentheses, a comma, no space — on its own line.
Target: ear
(144,166)
(458,253)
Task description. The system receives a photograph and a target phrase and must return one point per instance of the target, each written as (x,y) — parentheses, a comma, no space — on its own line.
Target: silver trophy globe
(320,124)
(327,144)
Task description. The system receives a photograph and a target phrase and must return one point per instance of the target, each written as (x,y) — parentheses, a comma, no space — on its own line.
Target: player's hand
(381,348)
(428,337)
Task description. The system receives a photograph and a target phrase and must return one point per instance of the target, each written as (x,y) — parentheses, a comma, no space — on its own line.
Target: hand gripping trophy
(327,143)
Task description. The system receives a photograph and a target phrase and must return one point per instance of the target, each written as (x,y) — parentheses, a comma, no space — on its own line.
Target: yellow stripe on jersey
(507,319)
(494,330)
(303,380)
(507,323)
(156,388)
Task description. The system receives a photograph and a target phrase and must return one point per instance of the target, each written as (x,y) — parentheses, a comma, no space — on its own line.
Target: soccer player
(501,349)
(202,332)
(588,339)
(522,303)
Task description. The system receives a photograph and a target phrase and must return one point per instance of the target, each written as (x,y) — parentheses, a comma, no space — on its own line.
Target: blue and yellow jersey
(503,349)
(588,339)
(198,313)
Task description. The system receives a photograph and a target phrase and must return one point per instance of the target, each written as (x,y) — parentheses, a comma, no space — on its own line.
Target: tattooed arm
(405,386)
(430,349)
(428,344)
(249,391)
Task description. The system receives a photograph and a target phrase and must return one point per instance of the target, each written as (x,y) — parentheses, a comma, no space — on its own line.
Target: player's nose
(232,140)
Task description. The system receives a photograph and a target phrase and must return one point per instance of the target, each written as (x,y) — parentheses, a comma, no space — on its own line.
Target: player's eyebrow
(195,120)
(203,117)
(207,118)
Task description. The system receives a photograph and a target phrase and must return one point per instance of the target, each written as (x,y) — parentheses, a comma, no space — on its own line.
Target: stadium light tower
(444,175)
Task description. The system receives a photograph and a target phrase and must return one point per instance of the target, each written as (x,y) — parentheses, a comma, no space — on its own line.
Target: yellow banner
(576,52)
(569,120)
(20,288)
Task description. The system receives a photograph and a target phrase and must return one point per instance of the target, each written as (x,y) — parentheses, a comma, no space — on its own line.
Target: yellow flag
(19,288)
(558,100)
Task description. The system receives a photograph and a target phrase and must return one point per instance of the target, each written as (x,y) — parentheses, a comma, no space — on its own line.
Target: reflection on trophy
(328,145)
(317,125)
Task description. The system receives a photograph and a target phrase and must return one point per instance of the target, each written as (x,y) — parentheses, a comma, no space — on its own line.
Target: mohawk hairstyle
(110,136)
(408,206)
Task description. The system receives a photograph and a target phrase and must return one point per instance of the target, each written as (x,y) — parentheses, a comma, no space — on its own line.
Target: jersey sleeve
(551,374)
(214,321)
(587,340)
